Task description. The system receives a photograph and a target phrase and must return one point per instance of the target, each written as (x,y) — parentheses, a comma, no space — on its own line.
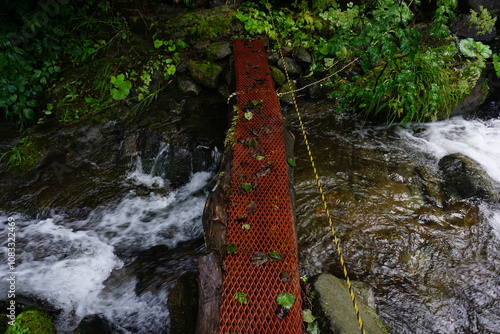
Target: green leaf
(286,299)
(259,157)
(121,87)
(247,187)
(248,115)
(291,162)
(313,328)
(158,44)
(231,248)
(241,297)
(496,64)
(307,316)
(274,256)
(252,143)
(245,226)
(256,103)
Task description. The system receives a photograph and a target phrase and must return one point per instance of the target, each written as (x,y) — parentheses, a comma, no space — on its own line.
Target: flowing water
(121,260)
(434,268)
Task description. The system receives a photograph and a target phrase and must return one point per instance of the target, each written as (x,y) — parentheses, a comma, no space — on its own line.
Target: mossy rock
(286,88)
(278,76)
(218,50)
(32,322)
(200,25)
(23,157)
(206,74)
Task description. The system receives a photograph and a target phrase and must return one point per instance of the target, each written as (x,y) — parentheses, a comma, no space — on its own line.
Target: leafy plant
(307,316)
(470,48)
(24,156)
(248,187)
(241,297)
(121,87)
(496,64)
(313,328)
(248,115)
(274,256)
(231,248)
(286,300)
(482,20)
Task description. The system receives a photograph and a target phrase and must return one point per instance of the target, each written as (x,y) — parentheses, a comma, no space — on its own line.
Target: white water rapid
(477,139)
(90,266)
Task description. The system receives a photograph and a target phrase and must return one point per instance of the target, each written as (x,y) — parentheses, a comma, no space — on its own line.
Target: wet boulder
(292,67)
(188,86)
(94,323)
(465,178)
(302,57)
(313,89)
(218,50)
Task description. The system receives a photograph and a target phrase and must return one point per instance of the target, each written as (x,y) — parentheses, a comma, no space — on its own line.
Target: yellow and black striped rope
(320,186)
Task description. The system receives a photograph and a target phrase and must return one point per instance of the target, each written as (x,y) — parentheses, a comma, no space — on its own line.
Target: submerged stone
(465,178)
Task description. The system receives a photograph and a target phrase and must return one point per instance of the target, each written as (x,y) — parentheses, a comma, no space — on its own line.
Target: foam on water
(477,139)
(68,262)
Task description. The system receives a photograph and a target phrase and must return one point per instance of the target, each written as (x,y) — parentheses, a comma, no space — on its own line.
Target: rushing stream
(120,261)
(433,268)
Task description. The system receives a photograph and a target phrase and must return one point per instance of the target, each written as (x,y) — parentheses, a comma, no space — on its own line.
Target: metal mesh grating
(260,160)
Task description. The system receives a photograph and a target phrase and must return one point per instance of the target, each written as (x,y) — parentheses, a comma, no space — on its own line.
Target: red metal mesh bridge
(261,221)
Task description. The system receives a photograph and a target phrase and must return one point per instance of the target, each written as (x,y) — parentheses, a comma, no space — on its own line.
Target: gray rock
(273,58)
(471,103)
(205,73)
(224,91)
(302,57)
(218,50)
(488,4)
(334,306)
(188,86)
(461,27)
(291,66)
(313,91)
(94,323)
(464,178)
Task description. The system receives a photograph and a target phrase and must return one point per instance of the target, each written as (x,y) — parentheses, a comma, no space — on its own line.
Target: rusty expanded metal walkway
(260,217)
